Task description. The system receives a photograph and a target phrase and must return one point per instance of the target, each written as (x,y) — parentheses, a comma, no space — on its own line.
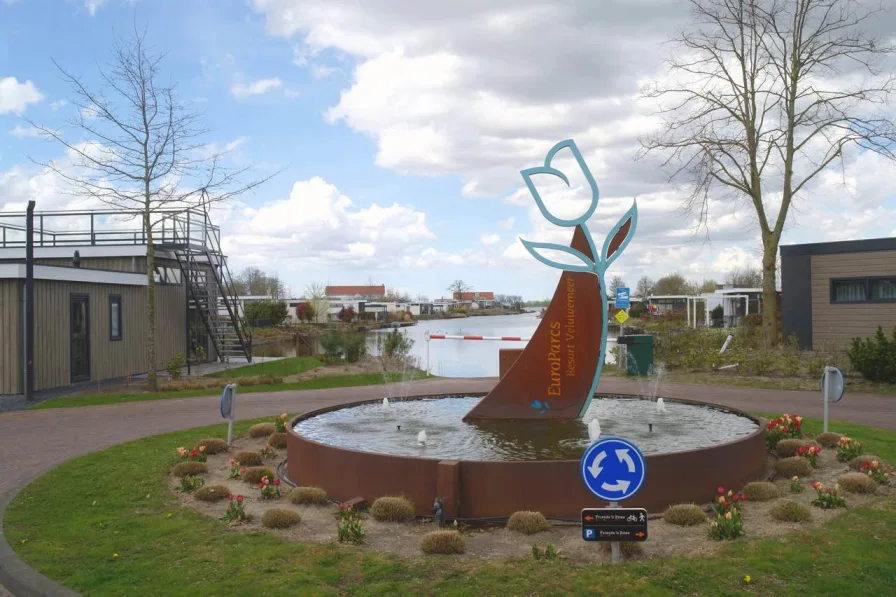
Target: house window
(864,290)
(115,317)
(167,275)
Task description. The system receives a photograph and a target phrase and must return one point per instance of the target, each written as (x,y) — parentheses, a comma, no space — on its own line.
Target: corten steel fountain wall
(486,489)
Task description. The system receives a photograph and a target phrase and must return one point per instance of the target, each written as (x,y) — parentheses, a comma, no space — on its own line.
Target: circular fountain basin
(487,469)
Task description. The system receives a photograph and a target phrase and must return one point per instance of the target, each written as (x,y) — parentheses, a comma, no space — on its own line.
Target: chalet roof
(473,296)
(377,291)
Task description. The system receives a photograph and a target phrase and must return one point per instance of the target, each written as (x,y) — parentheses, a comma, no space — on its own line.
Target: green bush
(875,357)
(684,515)
(397,345)
(175,365)
(262,314)
(331,342)
(349,344)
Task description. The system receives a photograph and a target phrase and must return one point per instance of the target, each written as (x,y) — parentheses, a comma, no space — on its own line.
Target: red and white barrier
(458,337)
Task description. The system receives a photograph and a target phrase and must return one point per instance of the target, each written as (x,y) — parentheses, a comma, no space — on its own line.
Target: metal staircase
(195,243)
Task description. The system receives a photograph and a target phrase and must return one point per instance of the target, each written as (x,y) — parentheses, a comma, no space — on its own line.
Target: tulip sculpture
(557,373)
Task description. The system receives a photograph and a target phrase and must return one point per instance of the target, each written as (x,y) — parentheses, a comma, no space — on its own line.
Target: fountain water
(660,406)
(421,437)
(593,430)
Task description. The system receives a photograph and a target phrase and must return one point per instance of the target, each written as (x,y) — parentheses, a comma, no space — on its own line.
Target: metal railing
(71,228)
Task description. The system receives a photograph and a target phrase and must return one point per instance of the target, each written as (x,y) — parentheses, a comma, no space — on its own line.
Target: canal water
(456,358)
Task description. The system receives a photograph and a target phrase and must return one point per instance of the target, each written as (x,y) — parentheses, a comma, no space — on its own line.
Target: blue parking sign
(623,297)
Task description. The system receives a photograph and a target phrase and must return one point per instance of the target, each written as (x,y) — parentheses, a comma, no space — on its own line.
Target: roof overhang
(72,274)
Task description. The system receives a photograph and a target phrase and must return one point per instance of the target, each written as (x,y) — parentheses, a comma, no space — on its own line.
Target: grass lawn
(318,383)
(279,368)
(70,522)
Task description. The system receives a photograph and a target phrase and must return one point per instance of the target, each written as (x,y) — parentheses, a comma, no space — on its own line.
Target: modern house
(90,296)
(475,300)
(736,303)
(833,292)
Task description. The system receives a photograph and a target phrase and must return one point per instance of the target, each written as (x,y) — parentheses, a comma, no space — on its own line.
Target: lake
(453,358)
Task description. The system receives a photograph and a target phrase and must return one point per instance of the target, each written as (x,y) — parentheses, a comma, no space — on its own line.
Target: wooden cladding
(11,348)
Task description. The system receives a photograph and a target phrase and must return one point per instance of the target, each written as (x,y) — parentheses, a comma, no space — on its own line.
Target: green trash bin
(639,357)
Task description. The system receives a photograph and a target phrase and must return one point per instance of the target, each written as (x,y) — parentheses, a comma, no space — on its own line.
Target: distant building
(356,292)
(833,292)
(475,300)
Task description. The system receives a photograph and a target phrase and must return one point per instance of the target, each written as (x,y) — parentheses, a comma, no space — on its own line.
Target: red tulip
(277,482)
(720,489)
(239,499)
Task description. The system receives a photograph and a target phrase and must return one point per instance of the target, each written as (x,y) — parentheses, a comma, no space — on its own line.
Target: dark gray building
(833,292)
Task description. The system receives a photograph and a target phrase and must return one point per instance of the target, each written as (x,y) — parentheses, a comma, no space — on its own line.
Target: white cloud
(58,104)
(506,224)
(235,143)
(322,71)
(490,239)
(15,96)
(259,87)
(93,5)
(88,113)
(23,132)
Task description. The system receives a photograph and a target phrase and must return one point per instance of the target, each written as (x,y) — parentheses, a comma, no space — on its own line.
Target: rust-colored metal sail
(556,373)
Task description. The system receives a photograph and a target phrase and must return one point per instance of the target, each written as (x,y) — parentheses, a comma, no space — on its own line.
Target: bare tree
(616,282)
(760,111)
(316,295)
(458,286)
(708,286)
(749,277)
(136,147)
(255,281)
(644,288)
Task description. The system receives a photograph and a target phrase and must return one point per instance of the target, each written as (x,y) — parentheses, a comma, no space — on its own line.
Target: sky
(396,132)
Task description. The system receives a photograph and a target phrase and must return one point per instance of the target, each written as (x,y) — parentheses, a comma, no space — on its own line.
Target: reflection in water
(394,430)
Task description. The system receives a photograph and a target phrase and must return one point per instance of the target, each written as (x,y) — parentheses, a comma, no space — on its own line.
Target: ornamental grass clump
(248,458)
(788,447)
(280,518)
(277,440)
(443,543)
(260,430)
(527,522)
(253,474)
(790,511)
(793,466)
(784,427)
(728,523)
(829,439)
(214,445)
(182,469)
(827,499)
(268,452)
(392,509)
(211,493)
(270,489)
(880,473)
(857,483)
(348,524)
(848,448)
(684,515)
(857,462)
(761,491)
(308,495)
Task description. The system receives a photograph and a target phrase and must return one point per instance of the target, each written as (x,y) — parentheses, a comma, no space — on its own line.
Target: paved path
(32,442)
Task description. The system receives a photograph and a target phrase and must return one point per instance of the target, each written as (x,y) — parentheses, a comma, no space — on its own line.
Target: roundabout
(118,501)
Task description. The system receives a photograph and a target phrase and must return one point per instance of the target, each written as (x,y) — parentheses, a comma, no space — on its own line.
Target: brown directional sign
(614,524)
(551,379)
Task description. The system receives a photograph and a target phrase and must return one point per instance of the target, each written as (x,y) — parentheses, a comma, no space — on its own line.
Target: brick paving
(31,442)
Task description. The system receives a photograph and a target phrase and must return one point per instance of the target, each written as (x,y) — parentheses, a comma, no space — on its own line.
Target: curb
(19,578)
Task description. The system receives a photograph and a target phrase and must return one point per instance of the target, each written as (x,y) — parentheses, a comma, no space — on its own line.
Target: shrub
(182,469)
(248,458)
(266,313)
(354,345)
(827,499)
(684,515)
(788,447)
(443,542)
(857,483)
(280,422)
(262,430)
(331,342)
(528,522)
(829,439)
(793,467)
(308,495)
(253,474)
(212,493)
(277,440)
(214,445)
(848,449)
(630,550)
(875,357)
(549,553)
(789,511)
(392,509)
(280,518)
(397,345)
(857,462)
(175,365)
(761,491)
(268,452)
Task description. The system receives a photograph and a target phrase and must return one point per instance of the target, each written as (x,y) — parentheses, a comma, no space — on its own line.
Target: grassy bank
(106,525)
(318,383)
(279,368)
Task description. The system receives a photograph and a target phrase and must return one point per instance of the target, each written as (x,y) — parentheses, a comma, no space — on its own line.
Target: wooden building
(90,297)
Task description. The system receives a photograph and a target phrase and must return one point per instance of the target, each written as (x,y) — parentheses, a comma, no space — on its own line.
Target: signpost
(832,389)
(613,469)
(623,297)
(228,397)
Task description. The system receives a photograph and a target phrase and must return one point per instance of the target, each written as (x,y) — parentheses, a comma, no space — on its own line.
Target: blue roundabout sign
(613,469)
